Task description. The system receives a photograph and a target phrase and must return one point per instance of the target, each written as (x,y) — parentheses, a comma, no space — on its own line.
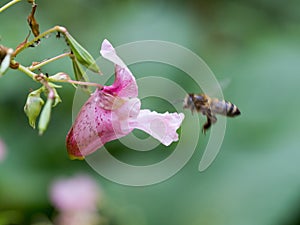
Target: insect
(209,107)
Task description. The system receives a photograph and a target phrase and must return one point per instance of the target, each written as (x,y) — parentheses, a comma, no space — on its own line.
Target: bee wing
(223,84)
(177,101)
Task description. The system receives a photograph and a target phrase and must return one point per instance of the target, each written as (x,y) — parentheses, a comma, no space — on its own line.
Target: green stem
(27,71)
(6,6)
(33,76)
(85,83)
(51,30)
(32,68)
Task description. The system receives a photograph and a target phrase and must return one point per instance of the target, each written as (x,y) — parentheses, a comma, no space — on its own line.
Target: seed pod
(82,55)
(45,116)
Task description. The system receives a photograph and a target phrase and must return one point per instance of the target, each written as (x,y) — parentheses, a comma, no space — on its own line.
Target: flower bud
(33,107)
(57,98)
(45,116)
(59,77)
(82,55)
(54,95)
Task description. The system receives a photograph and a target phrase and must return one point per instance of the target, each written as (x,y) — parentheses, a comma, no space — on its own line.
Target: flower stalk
(47,61)
(9,4)
(25,45)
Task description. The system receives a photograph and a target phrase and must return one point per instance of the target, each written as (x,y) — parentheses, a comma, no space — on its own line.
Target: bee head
(188,101)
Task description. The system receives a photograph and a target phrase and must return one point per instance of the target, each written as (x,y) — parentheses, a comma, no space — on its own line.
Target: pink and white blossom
(78,218)
(2,150)
(78,193)
(77,200)
(114,111)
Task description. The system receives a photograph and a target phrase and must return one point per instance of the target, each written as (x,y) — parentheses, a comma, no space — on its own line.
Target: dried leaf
(33,23)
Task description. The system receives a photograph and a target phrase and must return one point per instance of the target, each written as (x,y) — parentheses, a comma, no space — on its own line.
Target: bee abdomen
(225,108)
(231,109)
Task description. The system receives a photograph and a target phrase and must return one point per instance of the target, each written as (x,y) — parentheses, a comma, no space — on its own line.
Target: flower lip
(109,53)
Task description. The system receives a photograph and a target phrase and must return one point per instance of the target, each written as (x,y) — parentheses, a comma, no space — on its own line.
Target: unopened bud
(59,77)
(57,98)
(82,55)
(33,107)
(54,94)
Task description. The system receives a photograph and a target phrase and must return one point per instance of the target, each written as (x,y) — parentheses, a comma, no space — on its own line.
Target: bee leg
(206,126)
(211,119)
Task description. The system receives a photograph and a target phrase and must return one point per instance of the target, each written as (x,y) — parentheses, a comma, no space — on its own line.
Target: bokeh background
(255,178)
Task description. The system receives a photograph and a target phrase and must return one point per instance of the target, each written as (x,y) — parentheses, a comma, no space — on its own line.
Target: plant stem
(6,6)
(32,68)
(33,76)
(27,71)
(51,30)
(85,83)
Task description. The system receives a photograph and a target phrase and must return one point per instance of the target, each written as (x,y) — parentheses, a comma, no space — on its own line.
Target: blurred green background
(255,178)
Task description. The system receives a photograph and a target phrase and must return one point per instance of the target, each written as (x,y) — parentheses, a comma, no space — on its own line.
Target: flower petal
(102,118)
(2,150)
(108,52)
(124,84)
(160,126)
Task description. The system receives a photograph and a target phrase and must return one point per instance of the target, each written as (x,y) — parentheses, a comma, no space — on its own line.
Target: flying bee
(209,107)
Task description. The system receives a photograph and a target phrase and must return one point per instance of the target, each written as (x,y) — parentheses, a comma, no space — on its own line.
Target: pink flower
(79,193)
(2,151)
(114,111)
(77,200)
(78,218)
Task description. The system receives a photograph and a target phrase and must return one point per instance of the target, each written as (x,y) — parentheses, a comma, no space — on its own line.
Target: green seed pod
(82,55)
(78,71)
(80,75)
(33,107)
(45,116)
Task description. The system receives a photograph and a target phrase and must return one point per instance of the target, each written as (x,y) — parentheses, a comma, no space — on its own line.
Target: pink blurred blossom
(114,111)
(79,193)
(2,150)
(78,218)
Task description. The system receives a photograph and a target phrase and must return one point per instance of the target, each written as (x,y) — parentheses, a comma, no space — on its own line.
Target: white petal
(160,126)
